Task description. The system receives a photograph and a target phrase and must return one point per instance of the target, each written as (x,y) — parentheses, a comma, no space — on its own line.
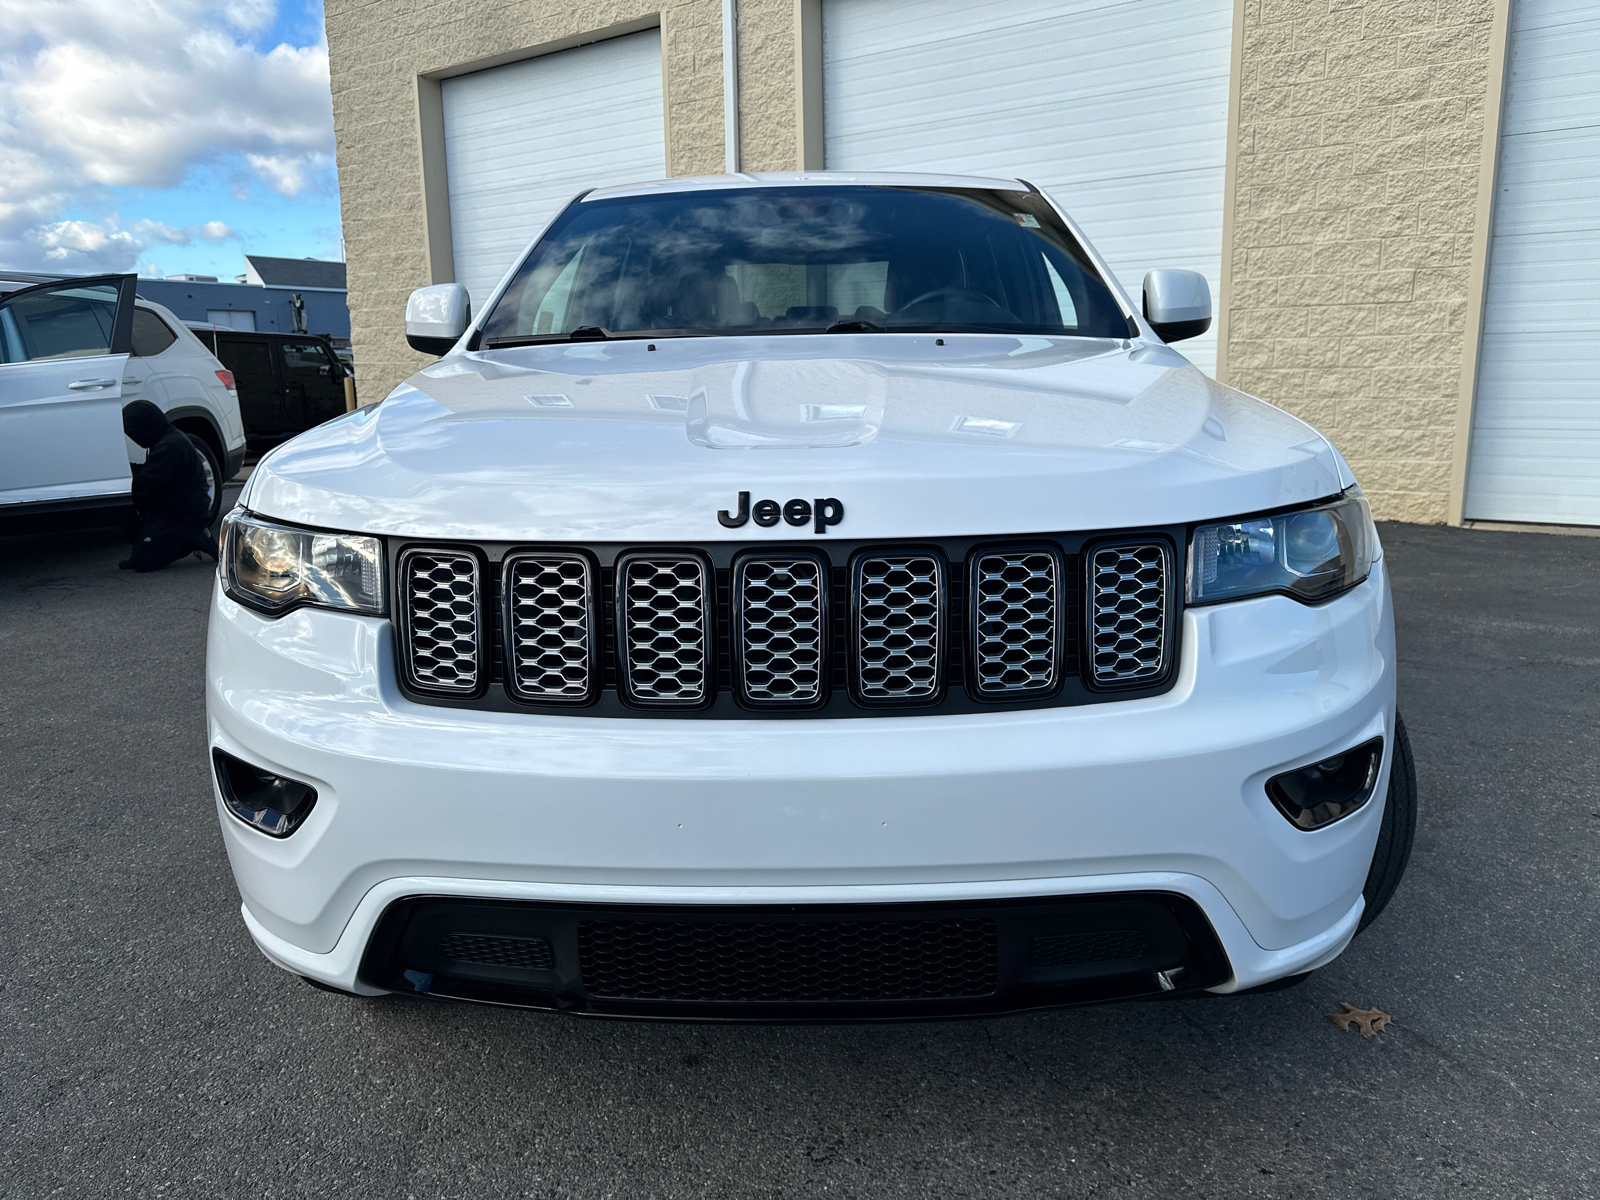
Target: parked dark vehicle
(288,382)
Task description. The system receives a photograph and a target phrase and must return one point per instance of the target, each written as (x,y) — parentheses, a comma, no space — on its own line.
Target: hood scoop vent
(816,405)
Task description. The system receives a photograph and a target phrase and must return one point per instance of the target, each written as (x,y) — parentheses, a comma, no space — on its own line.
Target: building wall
(191,300)
(1356,212)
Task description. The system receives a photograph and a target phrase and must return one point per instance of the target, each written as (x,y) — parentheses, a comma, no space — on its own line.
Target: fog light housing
(1317,795)
(270,803)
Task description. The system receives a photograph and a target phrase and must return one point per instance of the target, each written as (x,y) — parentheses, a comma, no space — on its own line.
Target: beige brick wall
(1356,195)
(377,51)
(767,101)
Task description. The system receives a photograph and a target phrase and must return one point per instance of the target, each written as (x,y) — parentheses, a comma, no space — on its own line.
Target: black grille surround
(797,963)
(962,683)
(440,602)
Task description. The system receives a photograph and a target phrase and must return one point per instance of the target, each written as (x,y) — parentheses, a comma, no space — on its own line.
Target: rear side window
(150,334)
(306,359)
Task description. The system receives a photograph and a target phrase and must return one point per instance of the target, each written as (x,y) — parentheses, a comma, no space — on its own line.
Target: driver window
(72,322)
(306,360)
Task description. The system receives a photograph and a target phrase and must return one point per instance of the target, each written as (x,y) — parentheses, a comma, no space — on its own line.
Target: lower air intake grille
(664,611)
(773,961)
(899,627)
(530,954)
(1016,622)
(1070,949)
(550,627)
(1128,613)
(782,613)
(444,620)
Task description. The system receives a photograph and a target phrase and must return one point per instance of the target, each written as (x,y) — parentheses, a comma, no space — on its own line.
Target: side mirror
(1177,304)
(437,316)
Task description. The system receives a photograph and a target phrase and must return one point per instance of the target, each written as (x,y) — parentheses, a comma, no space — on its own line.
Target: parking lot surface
(147,1049)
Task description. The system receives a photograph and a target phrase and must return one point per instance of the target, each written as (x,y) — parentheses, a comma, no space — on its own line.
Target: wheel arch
(201,423)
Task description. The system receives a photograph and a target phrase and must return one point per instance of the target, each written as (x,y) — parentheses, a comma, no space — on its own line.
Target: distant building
(312,274)
(274,295)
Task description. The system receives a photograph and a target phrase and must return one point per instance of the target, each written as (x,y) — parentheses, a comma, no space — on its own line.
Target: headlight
(274,568)
(1312,555)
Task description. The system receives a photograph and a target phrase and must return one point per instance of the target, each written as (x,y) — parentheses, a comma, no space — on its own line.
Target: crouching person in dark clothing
(169,492)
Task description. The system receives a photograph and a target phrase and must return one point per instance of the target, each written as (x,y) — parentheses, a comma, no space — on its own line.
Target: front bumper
(1162,795)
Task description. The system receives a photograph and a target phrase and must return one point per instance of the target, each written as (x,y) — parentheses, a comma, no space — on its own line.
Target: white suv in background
(807,597)
(72,353)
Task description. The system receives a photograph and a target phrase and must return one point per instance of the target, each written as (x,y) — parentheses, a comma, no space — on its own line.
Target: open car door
(63,348)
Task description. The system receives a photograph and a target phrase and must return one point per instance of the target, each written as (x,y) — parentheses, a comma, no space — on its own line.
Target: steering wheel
(953,293)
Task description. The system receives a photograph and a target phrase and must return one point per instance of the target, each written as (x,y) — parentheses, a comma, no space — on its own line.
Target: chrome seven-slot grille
(788,629)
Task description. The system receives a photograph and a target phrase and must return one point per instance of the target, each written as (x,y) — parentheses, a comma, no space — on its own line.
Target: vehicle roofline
(774,179)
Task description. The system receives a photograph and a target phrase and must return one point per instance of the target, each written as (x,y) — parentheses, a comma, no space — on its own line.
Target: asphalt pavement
(147,1049)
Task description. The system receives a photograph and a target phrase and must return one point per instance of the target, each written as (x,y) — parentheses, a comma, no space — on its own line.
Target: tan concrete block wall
(1356,185)
(767,100)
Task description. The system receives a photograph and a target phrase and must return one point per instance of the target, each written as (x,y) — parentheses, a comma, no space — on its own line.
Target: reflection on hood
(144,423)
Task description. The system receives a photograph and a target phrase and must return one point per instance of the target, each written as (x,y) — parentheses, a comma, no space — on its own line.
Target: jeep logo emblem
(767,513)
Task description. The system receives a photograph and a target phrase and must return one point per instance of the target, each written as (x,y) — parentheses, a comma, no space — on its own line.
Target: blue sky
(168,136)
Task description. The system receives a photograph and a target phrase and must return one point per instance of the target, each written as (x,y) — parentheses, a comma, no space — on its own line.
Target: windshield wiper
(853,325)
(583,333)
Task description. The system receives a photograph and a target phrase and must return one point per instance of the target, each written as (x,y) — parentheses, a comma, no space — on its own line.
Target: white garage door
(1536,429)
(1119,111)
(522,140)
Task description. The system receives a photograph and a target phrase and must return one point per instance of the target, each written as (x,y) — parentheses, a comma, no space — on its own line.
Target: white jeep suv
(806,597)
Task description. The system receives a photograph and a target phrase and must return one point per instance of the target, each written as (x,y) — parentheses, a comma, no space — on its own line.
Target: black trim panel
(1158,932)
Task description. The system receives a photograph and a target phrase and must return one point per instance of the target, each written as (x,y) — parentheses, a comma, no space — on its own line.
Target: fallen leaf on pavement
(1368,1020)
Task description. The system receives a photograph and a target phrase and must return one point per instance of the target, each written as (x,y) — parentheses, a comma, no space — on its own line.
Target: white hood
(614,441)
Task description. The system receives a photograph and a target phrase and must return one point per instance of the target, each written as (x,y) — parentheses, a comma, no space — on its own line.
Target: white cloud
(72,246)
(288,175)
(96,94)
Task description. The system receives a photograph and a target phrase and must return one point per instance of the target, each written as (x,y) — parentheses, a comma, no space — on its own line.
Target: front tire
(213,473)
(1397,832)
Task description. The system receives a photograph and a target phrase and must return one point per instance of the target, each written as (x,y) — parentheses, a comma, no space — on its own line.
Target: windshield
(805,260)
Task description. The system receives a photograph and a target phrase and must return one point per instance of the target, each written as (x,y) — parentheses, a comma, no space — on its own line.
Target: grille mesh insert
(756,961)
(550,627)
(1016,621)
(665,613)
(781,621)
(1128,612)
(899,626)
(444,620)
(530,954)
(1071,949)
